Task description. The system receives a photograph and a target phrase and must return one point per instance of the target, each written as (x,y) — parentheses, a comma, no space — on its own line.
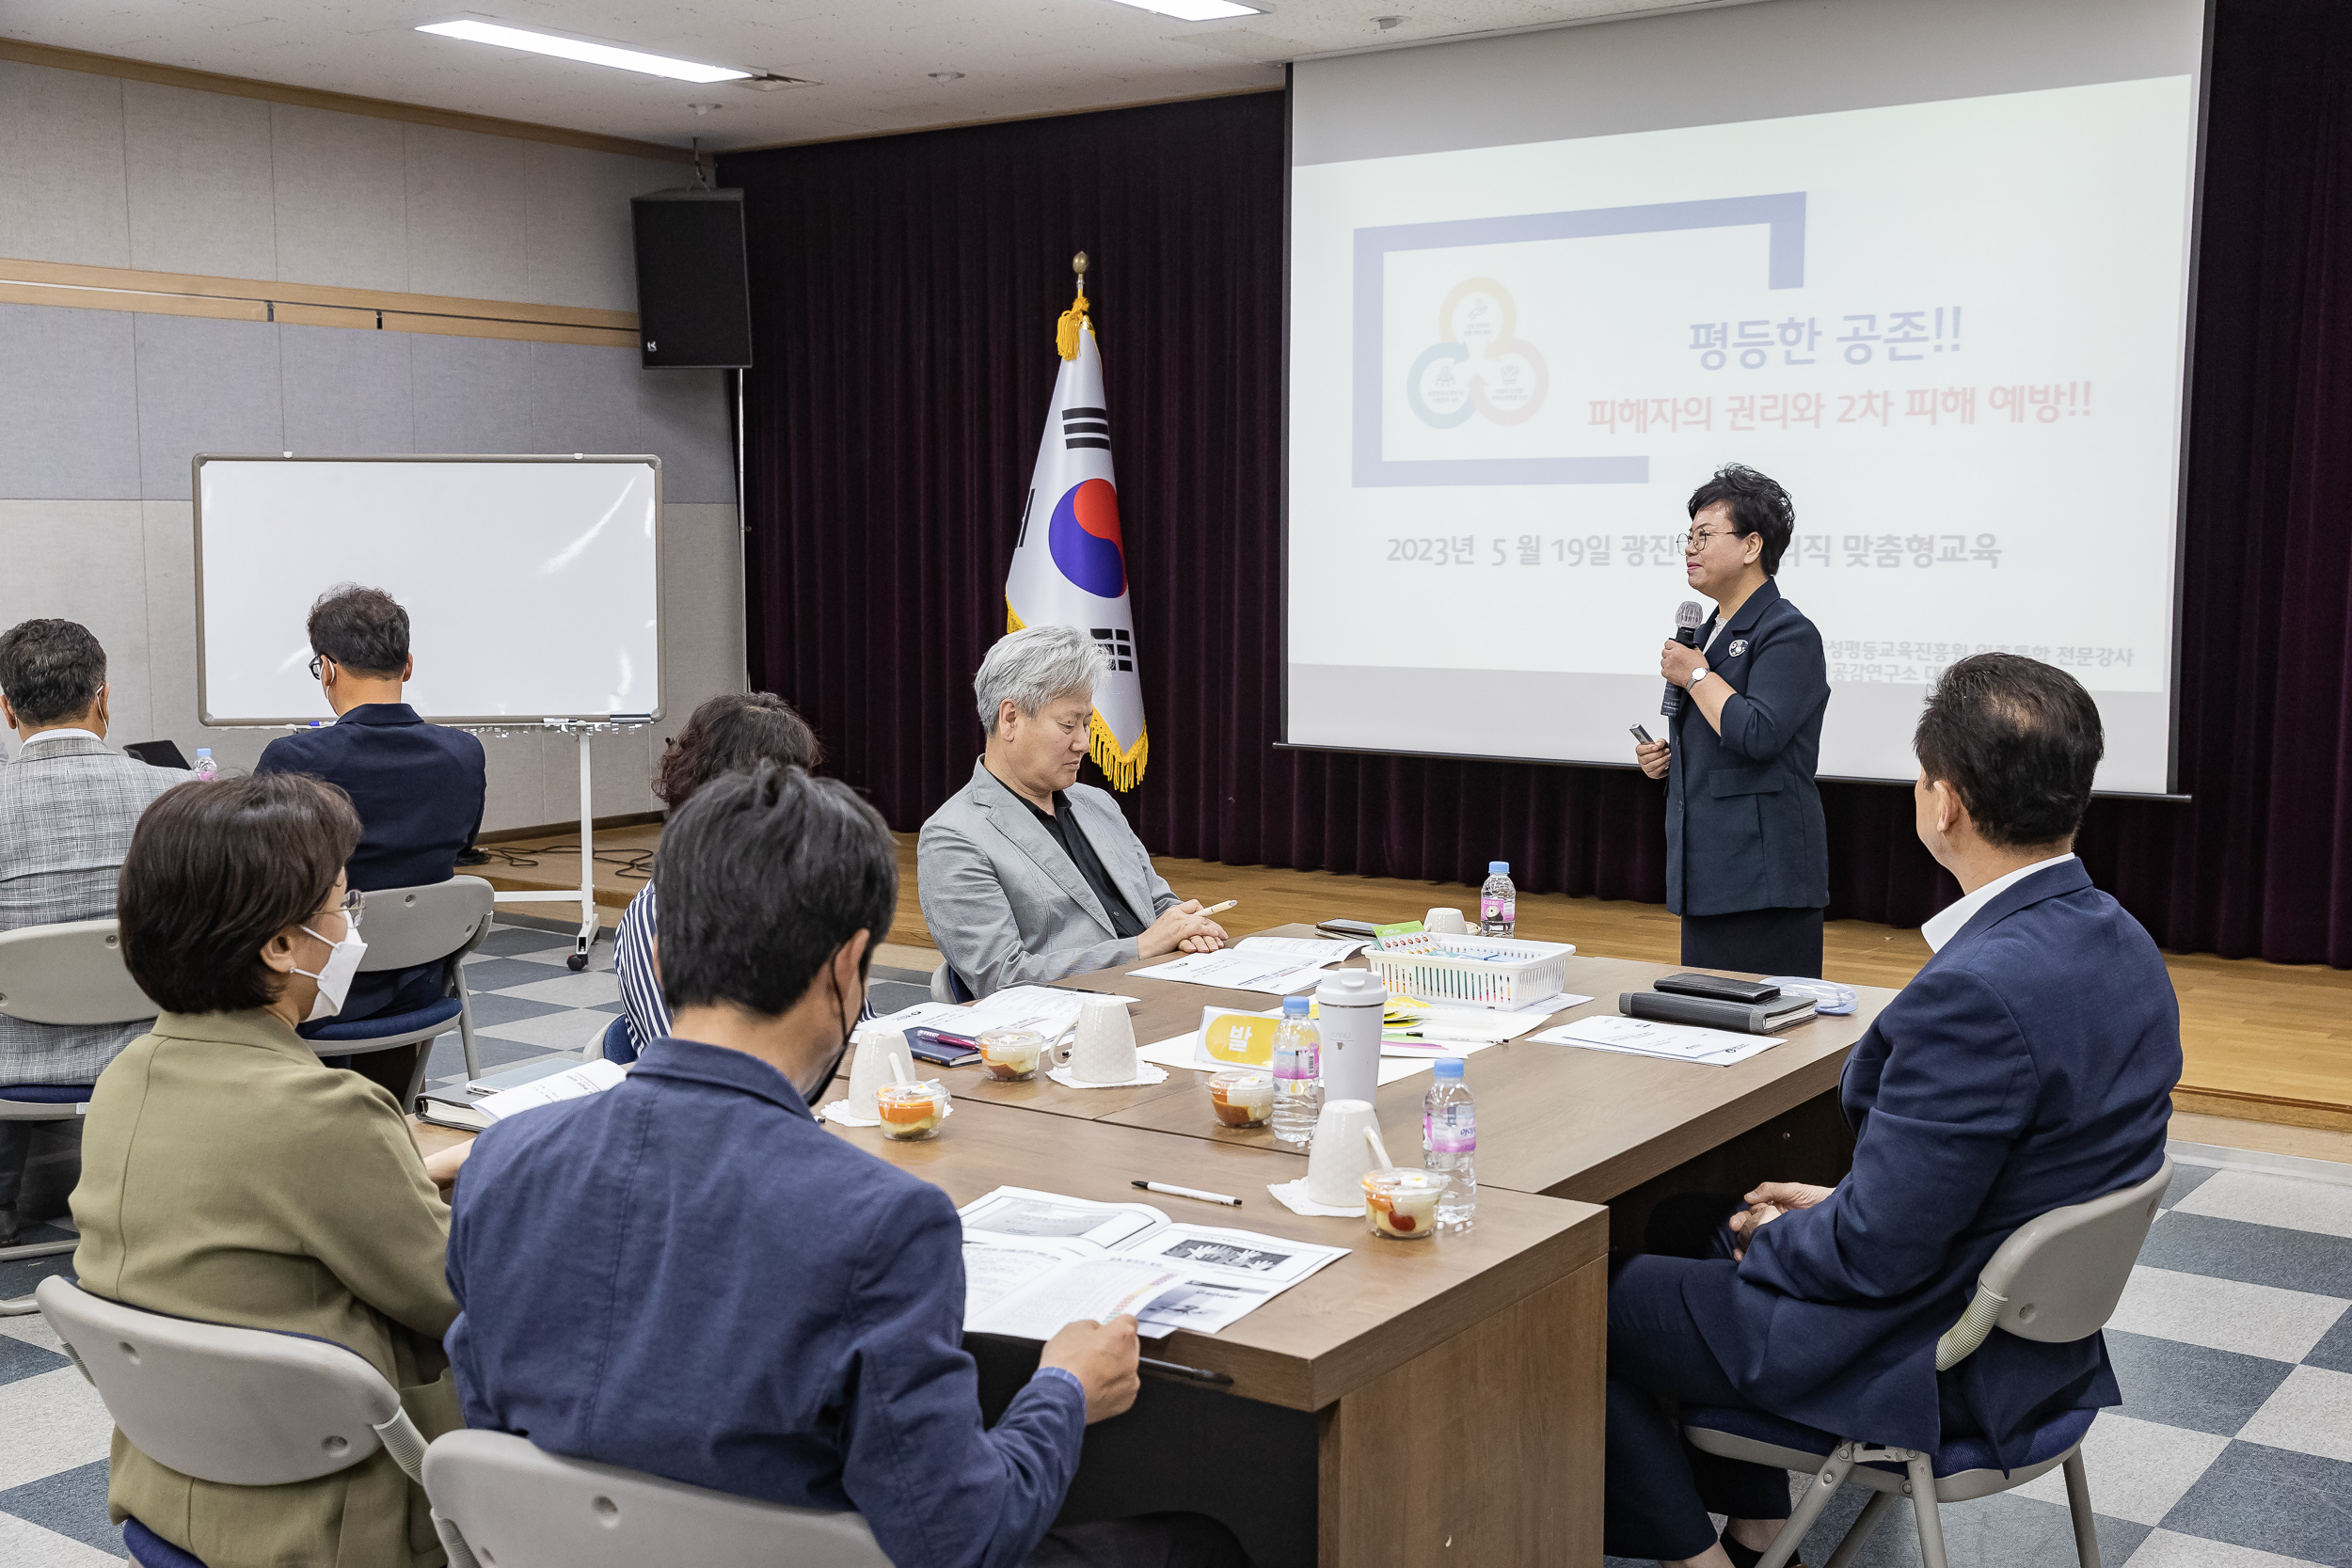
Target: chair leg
(465,1029)
(1858,1535)
(1922,1470)
(35,1249)
(1808,1508)
(2079,1504)
(19,1307)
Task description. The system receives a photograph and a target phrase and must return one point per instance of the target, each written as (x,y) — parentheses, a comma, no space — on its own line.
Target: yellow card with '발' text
(1237,1039)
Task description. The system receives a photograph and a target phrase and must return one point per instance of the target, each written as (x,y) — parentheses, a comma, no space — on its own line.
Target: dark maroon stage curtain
(905,289)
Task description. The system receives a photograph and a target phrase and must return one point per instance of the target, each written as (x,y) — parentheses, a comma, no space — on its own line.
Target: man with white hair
(1025,874)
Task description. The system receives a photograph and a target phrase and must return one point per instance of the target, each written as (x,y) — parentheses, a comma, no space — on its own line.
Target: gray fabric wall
(100,410)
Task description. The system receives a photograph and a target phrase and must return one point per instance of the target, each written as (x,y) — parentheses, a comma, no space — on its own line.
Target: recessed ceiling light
(590,54)
(946,75)
(1196,11)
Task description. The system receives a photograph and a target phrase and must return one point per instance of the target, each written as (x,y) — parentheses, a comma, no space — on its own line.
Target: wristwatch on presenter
(1696,676)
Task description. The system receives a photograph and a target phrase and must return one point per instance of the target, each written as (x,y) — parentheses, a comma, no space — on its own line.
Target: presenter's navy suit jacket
(2029,1066)
(1744,817)
(419,789)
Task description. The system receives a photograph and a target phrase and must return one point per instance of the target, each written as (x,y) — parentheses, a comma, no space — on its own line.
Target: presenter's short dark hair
(363,629)
(733,733)
(1757,505)
(215,870)
(763,874)
(2018,742)
(51,670)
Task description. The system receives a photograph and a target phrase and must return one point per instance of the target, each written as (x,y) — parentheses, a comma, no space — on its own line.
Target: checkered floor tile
(2233,1447)
(2233,1346)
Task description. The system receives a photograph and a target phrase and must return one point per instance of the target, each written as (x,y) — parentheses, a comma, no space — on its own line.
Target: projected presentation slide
(1954,330)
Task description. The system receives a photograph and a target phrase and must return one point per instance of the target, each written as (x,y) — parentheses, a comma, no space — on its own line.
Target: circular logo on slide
(1481,365)
(1084,539)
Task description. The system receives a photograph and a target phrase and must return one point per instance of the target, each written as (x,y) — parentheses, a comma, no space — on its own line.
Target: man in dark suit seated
(417,787)
(686,1275)
(2028,1066)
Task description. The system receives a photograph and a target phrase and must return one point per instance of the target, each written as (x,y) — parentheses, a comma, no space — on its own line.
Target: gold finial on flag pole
(1066,330)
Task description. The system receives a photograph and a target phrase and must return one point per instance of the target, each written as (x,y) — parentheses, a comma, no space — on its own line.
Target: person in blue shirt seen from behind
(687,1276)
(417,787)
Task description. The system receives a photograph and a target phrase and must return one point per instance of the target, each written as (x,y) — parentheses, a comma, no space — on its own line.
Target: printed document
(1237,969)
(1641,1036)
(1034,1261)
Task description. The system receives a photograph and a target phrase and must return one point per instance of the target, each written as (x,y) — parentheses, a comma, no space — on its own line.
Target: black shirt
(1073,840)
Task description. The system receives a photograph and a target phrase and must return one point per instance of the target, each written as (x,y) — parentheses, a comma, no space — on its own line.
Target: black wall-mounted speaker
(693,289)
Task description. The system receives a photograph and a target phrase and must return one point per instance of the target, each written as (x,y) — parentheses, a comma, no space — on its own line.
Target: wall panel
(68,424)
(199,187)
(62,190)
(204,386)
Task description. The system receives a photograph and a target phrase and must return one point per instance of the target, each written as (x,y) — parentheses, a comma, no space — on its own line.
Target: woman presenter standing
(1747,856)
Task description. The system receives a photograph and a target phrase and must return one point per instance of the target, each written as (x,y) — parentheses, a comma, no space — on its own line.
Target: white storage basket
(1474,971)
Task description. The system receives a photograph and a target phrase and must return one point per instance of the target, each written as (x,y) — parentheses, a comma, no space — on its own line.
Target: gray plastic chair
(518,1507)
(2057,1280)
(70,973)
(404,927)
(239,1406)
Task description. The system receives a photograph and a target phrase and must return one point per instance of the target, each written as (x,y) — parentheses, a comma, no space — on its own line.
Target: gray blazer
(1005,904)
(67,808)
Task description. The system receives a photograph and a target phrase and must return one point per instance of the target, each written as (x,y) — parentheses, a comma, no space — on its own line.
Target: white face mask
(334,977)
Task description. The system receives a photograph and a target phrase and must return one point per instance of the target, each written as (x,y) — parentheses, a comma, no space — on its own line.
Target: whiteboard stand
(586,897)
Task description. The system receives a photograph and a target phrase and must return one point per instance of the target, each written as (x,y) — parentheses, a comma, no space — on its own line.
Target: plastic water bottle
(1498,901)
(206,770)
(1448,1137)
(1297,1074)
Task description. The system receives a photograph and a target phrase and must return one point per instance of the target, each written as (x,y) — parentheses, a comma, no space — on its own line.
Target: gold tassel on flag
(1066,330)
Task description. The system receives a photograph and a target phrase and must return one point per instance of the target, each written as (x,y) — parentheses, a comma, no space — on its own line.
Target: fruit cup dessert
(1402,1204)
(1242,1097)
(911,1110)
(1011,1054)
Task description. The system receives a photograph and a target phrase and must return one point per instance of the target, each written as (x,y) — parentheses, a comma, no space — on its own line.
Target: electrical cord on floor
(627,864)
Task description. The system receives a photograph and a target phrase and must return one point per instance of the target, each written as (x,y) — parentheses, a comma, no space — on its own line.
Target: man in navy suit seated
(2028,1066)
(417,787)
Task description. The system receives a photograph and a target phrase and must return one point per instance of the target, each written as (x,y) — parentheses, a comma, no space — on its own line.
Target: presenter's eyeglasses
(1693,542)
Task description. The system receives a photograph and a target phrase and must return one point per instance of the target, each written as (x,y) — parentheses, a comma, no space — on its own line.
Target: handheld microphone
(1686,621)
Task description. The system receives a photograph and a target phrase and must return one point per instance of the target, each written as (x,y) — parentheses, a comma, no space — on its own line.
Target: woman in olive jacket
(231,1176)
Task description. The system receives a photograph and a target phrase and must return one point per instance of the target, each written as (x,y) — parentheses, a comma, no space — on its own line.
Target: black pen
(1190,1374)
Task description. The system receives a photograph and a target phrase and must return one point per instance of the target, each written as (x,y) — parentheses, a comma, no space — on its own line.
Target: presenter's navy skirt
(1755,941)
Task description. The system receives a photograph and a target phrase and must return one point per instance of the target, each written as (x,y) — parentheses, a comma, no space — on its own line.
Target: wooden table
(1413,1403)
(1552,1120)
(1397,1363)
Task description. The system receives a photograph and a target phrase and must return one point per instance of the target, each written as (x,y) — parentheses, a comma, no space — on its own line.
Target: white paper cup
(870,1066)
(1448,923)
(1337,1159)
(1104,1052)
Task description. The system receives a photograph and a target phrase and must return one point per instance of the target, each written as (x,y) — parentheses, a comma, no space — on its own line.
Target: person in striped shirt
(729,734)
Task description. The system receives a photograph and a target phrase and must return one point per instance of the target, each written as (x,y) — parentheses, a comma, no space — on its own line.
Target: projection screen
(1927,264)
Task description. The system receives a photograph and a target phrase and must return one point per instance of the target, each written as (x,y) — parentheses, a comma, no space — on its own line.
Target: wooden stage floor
(2264,1043)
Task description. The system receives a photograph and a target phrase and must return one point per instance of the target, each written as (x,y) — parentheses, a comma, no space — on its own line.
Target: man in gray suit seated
(1026,875)
(67,804)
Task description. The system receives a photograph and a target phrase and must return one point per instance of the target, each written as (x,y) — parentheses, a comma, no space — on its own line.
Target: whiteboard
(533,584)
